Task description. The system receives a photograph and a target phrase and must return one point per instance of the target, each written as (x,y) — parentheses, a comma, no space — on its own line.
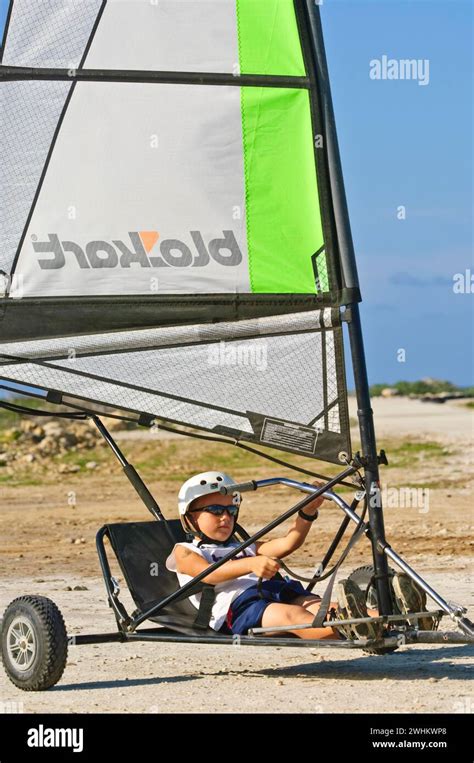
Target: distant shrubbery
(425,386)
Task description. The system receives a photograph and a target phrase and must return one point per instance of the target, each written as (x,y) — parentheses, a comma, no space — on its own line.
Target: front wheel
(34,643)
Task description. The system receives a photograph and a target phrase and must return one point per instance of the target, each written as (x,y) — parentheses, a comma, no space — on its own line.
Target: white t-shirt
(225,592)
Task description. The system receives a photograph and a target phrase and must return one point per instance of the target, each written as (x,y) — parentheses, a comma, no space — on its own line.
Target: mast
(350,277)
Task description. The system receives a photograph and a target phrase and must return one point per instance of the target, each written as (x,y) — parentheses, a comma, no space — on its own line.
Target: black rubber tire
(50,649)
(363,577)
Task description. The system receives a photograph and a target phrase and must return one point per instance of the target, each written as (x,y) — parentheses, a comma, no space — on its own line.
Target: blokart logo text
(172,252)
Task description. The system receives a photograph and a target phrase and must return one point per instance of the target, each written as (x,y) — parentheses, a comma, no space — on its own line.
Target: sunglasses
(218,510)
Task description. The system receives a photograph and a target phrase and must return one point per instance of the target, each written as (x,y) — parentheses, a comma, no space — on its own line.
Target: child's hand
(317,501)
(264,567)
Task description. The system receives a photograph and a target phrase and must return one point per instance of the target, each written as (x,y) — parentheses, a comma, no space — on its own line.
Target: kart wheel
(364,578)
(34,643)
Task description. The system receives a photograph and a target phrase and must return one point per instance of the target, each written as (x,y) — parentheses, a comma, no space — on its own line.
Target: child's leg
(312,602)
(294,614)
(301,611)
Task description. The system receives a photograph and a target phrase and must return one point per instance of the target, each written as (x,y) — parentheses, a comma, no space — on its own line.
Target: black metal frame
(128,624)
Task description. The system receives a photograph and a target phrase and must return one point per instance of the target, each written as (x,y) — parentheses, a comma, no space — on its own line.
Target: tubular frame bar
(130,471)
(169,635)
(384,619)
(121,615)
(409,637)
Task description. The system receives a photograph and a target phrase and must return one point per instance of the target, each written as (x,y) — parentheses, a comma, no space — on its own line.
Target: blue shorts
(247,609)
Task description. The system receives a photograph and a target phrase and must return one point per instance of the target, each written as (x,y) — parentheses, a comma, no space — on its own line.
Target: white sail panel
(174,35)
(170,163)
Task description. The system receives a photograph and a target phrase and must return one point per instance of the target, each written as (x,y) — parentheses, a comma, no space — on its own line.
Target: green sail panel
(268,38)
(284,226)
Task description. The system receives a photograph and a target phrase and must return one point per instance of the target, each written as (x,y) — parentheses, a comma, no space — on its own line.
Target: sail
(168,238)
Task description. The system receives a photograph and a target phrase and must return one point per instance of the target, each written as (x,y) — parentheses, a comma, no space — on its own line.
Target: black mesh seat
(141,549)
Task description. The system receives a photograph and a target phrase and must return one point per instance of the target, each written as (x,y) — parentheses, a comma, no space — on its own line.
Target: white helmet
(201,484)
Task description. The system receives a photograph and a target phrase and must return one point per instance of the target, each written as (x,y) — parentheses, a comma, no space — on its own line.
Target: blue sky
(406,144)
(411,145)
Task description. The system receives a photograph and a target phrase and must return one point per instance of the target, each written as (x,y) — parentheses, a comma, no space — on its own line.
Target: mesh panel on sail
(274,380)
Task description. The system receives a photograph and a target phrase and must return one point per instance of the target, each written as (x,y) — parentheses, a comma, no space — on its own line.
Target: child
(210,517)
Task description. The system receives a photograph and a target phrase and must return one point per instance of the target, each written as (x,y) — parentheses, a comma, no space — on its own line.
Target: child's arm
(190,563)
(296,536)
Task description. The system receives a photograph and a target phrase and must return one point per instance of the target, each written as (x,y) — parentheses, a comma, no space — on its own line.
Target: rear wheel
(34,643)
(364,578)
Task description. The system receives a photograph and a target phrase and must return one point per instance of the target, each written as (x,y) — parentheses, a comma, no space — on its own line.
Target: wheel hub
(21,643)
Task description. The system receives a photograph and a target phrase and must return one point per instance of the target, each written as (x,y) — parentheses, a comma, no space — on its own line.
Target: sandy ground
(48,546)
(401,416)
(158,677)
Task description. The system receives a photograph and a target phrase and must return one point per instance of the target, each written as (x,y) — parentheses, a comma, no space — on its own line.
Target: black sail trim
(49,317)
